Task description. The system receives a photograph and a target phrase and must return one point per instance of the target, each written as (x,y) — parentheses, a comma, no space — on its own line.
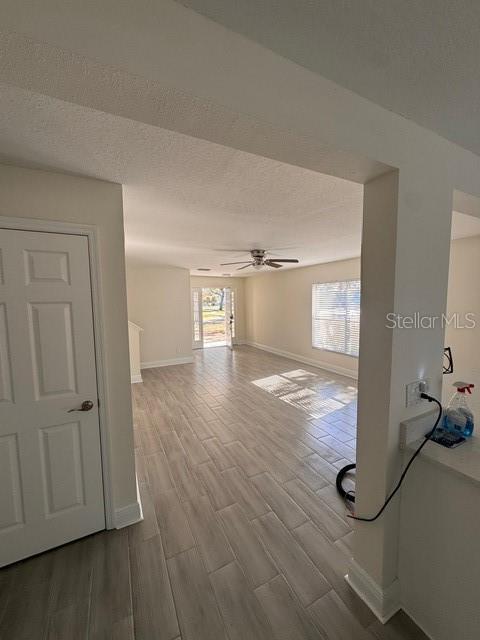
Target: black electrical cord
(346,495)
(342,472)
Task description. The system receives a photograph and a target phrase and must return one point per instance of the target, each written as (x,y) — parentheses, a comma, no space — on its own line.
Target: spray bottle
(458,417)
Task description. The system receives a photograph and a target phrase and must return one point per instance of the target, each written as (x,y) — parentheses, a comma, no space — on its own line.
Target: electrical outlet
(413,391)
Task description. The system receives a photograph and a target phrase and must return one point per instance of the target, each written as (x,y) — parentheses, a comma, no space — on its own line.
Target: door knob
(87,405)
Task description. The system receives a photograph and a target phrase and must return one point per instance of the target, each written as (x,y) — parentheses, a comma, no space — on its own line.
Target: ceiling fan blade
(226,264)
(247,265)
(240,251)
(285,260)
(270,263)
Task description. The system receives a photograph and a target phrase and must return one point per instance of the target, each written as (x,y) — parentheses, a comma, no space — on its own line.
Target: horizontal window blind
(336,316)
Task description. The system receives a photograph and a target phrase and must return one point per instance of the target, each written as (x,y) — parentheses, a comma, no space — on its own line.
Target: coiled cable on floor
(348,496)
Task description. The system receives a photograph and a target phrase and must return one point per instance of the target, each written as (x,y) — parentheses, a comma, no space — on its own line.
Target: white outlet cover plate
(413,392)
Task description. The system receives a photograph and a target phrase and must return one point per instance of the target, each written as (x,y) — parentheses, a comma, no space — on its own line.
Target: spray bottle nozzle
(463,387)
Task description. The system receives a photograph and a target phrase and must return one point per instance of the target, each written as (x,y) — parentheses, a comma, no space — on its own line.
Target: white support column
(405,257)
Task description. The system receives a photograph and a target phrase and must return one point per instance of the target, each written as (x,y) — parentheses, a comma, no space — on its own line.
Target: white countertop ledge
(464,460)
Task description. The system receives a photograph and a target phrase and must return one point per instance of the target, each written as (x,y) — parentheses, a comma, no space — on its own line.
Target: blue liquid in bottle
(460,424)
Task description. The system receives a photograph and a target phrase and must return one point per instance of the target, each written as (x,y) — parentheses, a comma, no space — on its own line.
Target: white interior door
(229,320)
(197,319)
(51,487)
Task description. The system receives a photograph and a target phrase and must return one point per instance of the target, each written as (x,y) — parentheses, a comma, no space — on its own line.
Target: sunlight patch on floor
(276,384)
(299,374)
(311,392)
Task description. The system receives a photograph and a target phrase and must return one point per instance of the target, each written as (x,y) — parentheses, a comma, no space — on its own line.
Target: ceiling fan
(259,260)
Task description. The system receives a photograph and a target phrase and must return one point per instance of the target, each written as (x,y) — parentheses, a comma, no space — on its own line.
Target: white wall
(464,297)
(273,323)
(159,302)
(43,195)
(439,555)
(279,311)
(238,284)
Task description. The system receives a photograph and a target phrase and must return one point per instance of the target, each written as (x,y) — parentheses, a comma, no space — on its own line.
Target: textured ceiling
(418,59)
(185,199)
(188,202)
(132,93)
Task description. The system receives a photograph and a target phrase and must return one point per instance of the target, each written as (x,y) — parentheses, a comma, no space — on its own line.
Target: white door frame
(90,231)
(197,344)
(228,316)
(233,307)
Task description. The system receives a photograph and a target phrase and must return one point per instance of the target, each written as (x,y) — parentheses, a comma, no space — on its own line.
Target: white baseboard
(136,378)
(310,361)
(384,603)
(166,363)
(130,514)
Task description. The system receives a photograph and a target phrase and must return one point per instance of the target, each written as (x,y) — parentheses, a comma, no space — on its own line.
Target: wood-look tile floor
(243,537)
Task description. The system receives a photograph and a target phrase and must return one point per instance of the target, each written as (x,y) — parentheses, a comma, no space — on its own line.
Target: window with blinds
(336,316)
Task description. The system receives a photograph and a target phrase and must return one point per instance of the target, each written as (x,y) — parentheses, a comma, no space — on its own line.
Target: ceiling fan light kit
(260,260)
